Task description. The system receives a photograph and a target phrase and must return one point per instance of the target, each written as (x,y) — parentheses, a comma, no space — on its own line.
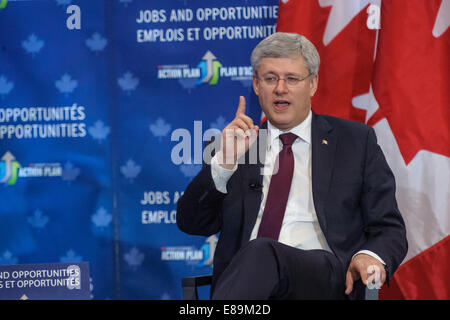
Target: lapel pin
(324,142)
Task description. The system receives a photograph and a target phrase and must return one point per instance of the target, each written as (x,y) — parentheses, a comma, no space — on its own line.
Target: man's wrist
(369,253)
(224,162)
(220,174)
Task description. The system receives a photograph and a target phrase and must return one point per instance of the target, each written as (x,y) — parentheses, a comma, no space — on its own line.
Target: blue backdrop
(103,108)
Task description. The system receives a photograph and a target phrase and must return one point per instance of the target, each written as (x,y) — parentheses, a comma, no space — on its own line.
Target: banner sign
(104,110)
(52,281)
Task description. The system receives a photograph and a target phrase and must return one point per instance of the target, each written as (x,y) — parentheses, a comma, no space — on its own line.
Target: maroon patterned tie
(280,185)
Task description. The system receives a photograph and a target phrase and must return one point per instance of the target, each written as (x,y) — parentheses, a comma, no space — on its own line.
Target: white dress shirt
(300,227)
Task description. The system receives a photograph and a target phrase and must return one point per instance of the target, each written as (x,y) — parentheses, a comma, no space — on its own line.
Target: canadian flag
(387,63)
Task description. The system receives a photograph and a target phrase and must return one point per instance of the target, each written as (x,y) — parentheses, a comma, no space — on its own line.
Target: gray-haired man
(325,219)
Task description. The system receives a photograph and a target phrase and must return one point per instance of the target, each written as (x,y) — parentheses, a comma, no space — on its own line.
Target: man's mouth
(281,105)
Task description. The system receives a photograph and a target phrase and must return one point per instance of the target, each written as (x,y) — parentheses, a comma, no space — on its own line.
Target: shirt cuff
(220,175)
(370,253)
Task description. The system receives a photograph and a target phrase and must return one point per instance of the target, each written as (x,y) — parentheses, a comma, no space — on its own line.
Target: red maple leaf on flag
(346,60)
(408,86)
(412,76)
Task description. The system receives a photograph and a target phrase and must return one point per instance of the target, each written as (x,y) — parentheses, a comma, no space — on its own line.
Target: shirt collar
(302,130)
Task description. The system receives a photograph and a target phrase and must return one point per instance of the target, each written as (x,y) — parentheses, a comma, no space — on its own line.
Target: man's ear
(255,85)
(313,84)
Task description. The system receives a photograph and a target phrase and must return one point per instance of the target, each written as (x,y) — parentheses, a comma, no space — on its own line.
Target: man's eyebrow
(286,74)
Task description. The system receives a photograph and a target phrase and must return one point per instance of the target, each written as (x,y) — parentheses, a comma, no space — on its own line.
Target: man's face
(284,105)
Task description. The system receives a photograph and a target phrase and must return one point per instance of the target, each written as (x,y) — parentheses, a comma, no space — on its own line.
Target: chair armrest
(190,285)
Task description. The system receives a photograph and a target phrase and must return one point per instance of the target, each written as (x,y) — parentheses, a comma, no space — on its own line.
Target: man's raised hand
(237,137)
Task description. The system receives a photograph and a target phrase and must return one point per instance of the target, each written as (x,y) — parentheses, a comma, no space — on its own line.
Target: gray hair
(286,45)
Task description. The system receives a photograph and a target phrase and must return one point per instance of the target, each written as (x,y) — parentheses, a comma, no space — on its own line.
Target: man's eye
(270,79)
(292,79)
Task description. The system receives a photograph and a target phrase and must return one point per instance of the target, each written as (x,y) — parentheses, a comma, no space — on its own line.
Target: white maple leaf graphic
(342,12)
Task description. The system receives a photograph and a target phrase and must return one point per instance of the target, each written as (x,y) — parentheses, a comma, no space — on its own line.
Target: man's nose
(281,87)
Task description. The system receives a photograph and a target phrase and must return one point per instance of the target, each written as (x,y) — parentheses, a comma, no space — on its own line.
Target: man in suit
(315,216)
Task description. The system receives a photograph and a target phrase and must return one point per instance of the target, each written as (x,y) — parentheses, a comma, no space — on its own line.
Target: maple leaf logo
(8,258)
(5,86)
(165,296)
(128,82)
(125,2)
(190,170)
(188,83)
(101,218)
(96,43)
(38,220)
(99,131)
(219,124)
(160,128)
(69,172)
(130,170)
(71,256)
(66,84)
(134,258)
(33,45)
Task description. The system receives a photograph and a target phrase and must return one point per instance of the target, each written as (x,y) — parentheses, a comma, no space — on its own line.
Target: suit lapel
(324,142)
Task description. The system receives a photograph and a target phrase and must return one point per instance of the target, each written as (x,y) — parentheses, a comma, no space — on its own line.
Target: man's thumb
(348,283)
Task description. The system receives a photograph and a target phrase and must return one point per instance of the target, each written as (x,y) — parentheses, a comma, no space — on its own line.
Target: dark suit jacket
(353,192)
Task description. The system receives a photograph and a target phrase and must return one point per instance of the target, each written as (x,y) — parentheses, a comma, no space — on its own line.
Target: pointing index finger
(241,108)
